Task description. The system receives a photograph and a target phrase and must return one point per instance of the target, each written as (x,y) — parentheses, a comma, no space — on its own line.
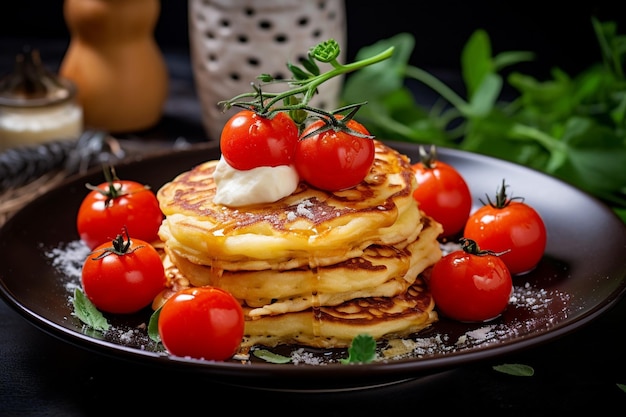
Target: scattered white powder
(68,259)
(136,337)
(126,336)
(303,209)
(538,307)
(301,356)
(483,333)
(533,298)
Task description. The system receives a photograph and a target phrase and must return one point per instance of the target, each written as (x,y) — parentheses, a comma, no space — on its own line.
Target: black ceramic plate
(582,274)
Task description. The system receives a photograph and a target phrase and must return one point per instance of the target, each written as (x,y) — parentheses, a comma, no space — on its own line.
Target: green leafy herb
(622,387)
(88,313)
(361,350)
(515,369)
(304,84)
(570,127)
(271,357)
(153,325)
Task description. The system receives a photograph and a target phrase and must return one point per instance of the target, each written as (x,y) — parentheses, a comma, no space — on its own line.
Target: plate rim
(378,370)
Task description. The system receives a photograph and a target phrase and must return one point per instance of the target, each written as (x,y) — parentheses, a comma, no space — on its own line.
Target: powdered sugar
(68,259)
(303,210)
(531,309)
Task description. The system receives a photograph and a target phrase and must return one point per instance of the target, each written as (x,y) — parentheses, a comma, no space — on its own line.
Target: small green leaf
(622,387)
(508,58)
(486,94)
(270,357)
(153,325)
(361,350)
(88,313)
(476,61)
(310,65)
(515,369)
(297,72)
(266,78)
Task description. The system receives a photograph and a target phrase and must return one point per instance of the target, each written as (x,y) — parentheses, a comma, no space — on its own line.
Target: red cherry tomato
(202,323)
(123,276)
(334,159)
(249,140)
(470,285)
(442,193)
(116,204)
(509,226)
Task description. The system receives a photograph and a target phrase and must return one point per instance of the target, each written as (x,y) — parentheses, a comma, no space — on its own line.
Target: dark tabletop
(41,375)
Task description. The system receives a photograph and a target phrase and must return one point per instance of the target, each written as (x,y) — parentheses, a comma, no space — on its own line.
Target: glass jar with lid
(36,106)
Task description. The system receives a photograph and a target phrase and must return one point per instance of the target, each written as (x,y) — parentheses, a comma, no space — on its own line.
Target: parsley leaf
(270,357)
(88,313)
(361,350)
(515,369)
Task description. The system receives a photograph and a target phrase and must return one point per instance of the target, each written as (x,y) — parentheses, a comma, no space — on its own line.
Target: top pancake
(309,227)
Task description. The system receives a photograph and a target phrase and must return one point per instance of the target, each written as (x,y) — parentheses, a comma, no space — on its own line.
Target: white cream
(236,188)
(35,125)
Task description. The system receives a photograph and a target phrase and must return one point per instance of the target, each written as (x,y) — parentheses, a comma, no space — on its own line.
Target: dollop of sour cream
(236,188)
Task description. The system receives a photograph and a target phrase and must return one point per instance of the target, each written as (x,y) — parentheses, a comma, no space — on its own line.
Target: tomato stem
(470,246)
(304,82)
(502,200)
(114,188)
(120,246)
(331,122)
(428,158)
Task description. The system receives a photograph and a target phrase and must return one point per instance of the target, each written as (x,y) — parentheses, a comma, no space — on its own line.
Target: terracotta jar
(115,62)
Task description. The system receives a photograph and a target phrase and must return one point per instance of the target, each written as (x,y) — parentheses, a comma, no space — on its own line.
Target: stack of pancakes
(315,268)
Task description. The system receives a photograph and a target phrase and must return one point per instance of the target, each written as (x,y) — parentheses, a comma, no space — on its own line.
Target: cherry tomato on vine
(470,284)
(202,323)
(334,159)
(442,193)
(123,276)
(511,226)
(249,140)
(116,204)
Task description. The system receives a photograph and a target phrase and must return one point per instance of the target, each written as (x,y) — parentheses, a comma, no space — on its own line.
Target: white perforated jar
(234,41)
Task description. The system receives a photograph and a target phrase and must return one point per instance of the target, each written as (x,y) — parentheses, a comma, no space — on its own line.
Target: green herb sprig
(304,83)
(570,127)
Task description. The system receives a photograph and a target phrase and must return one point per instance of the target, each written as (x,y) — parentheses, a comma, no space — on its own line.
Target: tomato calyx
(471,247)
(429,159)
(120,246)
(336,124)
(114,189)
(502,199)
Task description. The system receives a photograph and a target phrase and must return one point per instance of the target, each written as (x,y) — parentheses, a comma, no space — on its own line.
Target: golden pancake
(308,226)
(332,326)
(336,326)
(382,271)
(315,268)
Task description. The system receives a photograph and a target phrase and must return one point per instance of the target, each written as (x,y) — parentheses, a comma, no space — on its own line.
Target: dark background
(560,34)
